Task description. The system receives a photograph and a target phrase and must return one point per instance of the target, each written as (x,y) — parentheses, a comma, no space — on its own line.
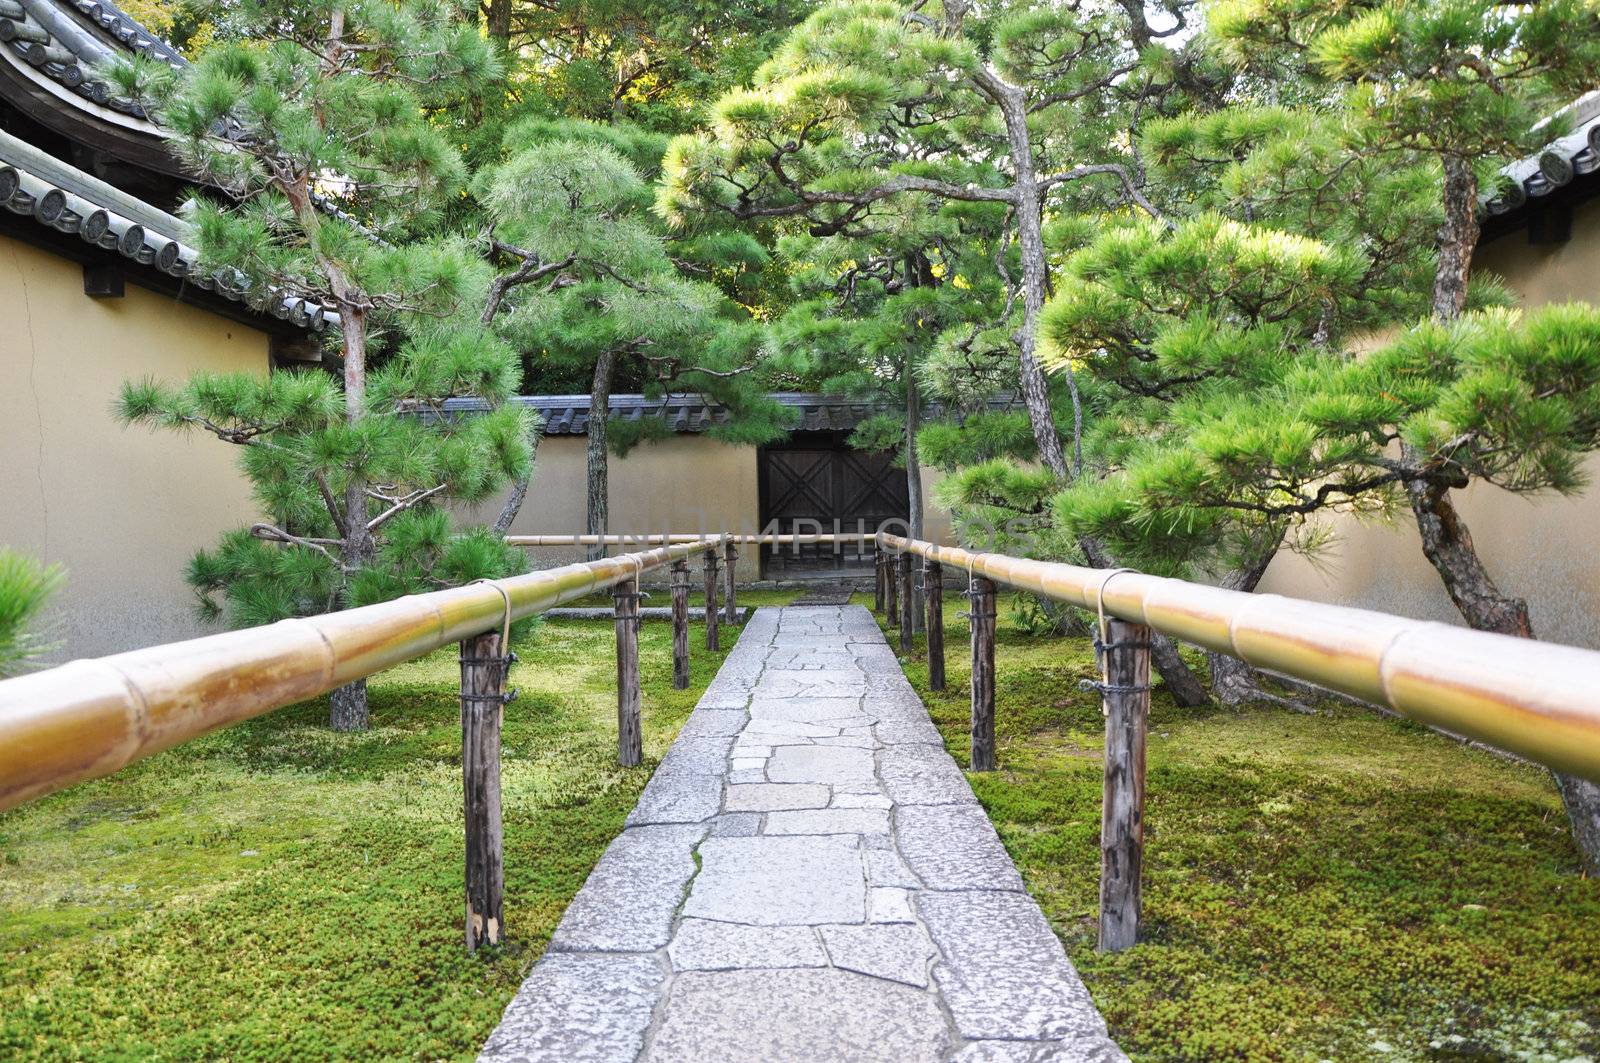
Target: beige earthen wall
(685,483)
(121,509)
(1542,547)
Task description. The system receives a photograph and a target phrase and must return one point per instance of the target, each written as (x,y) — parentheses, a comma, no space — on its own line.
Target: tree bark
(596,456)
(1458,235)
(497,19)
(1035,276)
(913,488)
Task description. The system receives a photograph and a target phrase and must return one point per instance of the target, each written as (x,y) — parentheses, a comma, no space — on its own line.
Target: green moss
(276,891)
(1339,886)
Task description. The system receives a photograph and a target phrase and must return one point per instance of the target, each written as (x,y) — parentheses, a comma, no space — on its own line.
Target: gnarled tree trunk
(596,456)
(1446,539)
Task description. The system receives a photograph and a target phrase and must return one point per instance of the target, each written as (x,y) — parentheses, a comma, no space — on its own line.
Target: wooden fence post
(484,663)
(730,556)
(680,625)
(981,616)
(908,603)
(713,642)
(933,593)
(891,593)
(1126,697)
(877,575)
(630,740)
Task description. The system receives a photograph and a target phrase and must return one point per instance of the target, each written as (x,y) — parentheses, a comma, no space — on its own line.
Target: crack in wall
(38,405)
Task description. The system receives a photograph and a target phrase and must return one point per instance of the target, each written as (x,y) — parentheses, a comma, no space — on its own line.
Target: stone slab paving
(807,877)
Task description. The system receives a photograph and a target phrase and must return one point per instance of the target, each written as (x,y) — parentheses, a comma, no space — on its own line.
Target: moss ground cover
(1340,886)
(280,892)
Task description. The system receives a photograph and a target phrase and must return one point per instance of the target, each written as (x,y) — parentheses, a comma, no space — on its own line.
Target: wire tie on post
(1102,643)
(507,658)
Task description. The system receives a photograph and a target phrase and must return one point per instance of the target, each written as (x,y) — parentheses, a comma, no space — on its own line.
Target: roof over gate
(568,415)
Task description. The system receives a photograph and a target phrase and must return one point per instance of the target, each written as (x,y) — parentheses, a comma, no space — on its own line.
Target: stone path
(807,877)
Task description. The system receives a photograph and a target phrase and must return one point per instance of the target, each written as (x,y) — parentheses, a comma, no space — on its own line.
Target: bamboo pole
(982,616)
(630,740)
(1537,699)
(484,662)
(680,625)
(680,538)
(1125,696)
(713,638)
(90,718)
(933,594)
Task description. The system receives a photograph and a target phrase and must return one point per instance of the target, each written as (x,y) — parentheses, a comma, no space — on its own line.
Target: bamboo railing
(1538,699)
(90,718)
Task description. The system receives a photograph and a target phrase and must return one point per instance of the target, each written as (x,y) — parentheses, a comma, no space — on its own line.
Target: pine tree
(868,103)
(316,128)
(603,293)
(1461,83)
(26,587)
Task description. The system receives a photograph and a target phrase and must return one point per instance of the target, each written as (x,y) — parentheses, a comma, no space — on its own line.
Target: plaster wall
(122,510)
(1539,547)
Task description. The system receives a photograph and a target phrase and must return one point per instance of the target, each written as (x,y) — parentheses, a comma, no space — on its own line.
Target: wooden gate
(815,482)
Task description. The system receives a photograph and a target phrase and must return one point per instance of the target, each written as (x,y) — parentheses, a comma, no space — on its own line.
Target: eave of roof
(68,200)
(569,414)
(63,44)
(1567,157)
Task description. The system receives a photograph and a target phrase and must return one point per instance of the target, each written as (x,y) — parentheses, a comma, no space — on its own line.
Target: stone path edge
(806,876)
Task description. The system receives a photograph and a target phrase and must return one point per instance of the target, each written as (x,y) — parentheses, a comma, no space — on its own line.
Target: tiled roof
(68,41)
(568,415)
(1561,160)
(64,45)
(68,200)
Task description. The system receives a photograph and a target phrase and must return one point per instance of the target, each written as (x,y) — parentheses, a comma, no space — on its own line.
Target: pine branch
(401,505)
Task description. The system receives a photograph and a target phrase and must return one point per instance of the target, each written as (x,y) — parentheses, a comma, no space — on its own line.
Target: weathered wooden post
(1126,698)
(680,625)
(730,558)
(630,740)
(981,593)
(891,593)
(878,578)
(713,641)
(908,603)
(485,659)
(933,594)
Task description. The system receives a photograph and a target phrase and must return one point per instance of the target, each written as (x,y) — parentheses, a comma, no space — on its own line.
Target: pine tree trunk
(1446,539)
(914,483)
(1233,682)
(347,709)
(519,490)
(1458,235)
(1035,269)
(498,21)
(596,457)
